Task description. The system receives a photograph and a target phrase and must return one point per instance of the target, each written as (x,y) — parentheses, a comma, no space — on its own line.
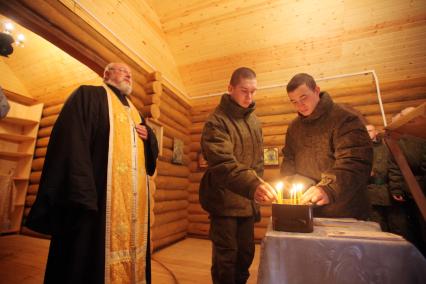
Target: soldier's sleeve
(218,150)
(396,180)
(353,160)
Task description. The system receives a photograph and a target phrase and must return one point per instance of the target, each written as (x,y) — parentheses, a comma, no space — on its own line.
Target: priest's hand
(142,132)
(265,193)
(315,195)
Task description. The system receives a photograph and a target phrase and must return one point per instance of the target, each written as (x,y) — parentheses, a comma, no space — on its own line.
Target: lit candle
(296,193)
(299,188)
(279,188)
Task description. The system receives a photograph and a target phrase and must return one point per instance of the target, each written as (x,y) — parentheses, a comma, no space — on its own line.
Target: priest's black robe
(71,200)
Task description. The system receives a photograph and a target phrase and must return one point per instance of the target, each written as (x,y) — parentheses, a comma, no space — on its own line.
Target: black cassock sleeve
(151,150)
(67,181)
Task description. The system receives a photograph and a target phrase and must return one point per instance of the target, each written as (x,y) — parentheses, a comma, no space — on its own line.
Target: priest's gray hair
(108,67)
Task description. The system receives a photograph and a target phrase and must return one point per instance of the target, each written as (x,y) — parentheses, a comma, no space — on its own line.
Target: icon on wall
(177,151)
(270,156)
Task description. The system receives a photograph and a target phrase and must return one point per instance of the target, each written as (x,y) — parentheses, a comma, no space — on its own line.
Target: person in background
(414,150)
(93,197)
(232,144)
(4,105)
(378,188)
(330,145)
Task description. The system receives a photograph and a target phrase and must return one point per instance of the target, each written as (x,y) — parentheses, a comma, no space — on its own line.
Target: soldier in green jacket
(232,144)
(378,191)
(330,145)
(414,150)
(406,218)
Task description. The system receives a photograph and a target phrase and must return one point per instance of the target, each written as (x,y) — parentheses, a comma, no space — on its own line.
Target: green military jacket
(332,147)
(414,150)
(378,191)
(232,144)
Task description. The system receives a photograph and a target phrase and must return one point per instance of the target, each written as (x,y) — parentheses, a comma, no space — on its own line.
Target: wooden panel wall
(10,81)
(275,112)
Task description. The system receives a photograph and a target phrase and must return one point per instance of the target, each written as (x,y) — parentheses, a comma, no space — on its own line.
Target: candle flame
(279,185)
(296,193)
(279,188)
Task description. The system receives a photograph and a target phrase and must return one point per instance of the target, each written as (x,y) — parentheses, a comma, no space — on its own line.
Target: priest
(93,197)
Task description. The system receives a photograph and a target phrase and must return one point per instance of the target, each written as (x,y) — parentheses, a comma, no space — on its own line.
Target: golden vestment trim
(127,197)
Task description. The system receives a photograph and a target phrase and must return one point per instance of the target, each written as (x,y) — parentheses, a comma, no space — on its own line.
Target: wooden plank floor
(23,260)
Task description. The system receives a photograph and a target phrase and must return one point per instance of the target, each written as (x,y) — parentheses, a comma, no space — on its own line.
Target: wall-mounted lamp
(8,28)
(20,39)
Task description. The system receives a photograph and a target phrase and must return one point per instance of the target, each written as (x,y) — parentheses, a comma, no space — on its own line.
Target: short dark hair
(242,72)
(300,79)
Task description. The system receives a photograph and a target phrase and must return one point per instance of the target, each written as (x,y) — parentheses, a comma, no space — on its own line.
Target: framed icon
(270,156)
(177,151)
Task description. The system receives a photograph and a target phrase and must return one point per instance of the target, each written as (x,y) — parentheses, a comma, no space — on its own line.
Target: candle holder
(292,218)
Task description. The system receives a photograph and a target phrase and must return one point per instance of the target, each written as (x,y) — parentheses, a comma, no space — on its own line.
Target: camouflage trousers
(233,249)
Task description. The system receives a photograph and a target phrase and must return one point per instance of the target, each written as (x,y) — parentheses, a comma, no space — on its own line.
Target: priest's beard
(123,86)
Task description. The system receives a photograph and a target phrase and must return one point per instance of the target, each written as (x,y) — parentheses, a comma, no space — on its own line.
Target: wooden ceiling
(278,38)
(196,44)
(44,70)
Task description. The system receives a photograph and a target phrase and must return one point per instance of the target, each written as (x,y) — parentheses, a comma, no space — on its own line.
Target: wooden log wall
(275,112)
(171,196)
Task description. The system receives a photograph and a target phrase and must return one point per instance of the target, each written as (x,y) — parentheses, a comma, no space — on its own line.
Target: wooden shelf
(24,115)
(15,137)
(21,178)
(19,98)
(13,155)
(12,230)
(18,132)
(20,121)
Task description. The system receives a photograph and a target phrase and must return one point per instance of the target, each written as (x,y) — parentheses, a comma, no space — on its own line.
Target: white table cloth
(339,251)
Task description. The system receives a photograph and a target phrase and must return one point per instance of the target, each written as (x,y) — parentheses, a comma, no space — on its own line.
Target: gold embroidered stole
(127,203)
